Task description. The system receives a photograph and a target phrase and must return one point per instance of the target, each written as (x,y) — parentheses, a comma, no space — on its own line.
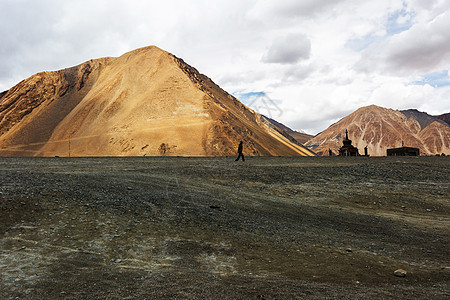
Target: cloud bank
(288,49)
(317,60)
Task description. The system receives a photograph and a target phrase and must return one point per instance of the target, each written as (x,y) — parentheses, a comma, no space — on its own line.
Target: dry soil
(204,228)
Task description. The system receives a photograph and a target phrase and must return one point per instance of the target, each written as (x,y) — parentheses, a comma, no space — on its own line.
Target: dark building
(403,151)
(366,151)
(348,149)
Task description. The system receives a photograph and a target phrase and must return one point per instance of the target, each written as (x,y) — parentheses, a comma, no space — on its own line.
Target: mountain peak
(145,102)
(423,118)
(381,128)
(371,106)
(145,51)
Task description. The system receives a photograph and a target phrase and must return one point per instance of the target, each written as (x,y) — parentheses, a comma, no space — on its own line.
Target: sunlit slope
(381,128)
(146,102)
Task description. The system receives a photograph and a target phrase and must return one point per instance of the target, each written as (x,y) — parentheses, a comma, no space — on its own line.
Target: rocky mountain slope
(298,137)
(380,128)
(145,102)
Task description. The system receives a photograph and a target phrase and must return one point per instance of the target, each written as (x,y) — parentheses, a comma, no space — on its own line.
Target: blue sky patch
(435,79)
(247,97)
(394,25)
(362,43)
(261,102)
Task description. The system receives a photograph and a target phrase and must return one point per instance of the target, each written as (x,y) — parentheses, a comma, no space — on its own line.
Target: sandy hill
(380,128)
(145,102)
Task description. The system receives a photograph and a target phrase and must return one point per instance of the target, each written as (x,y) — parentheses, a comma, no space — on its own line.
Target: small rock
(129,188)
(215,207)
(428,210)
(348,250)
(400,273)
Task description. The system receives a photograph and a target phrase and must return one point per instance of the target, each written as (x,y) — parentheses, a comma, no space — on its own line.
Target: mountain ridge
(145,102)
(381,128)
(294,135)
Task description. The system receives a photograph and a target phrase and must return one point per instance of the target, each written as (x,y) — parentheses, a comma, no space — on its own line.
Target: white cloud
(397,95)
(288,49)
(306,54)
(421,49)
(282,10)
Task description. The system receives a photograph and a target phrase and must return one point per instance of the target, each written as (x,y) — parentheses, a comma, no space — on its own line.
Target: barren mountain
(380,128)
(297,136)
(145,102)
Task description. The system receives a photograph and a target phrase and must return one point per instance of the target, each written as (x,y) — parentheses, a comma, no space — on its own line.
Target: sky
(305,63)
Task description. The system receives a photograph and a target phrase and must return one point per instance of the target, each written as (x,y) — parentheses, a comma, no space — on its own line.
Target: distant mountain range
(145,102)
(381,128)
(149,102)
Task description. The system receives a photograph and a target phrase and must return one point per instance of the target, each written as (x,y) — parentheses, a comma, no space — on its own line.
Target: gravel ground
(208,228)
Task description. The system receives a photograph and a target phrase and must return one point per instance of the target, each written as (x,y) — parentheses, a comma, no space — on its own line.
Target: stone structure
(403,151)
(348,149)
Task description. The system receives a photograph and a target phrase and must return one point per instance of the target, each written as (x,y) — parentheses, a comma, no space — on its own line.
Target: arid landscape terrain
(266,228)
(146,102)
(381,128)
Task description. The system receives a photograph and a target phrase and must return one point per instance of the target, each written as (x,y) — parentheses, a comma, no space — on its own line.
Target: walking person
(240,152)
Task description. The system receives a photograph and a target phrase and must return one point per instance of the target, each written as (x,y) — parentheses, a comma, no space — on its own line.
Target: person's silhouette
(240,152)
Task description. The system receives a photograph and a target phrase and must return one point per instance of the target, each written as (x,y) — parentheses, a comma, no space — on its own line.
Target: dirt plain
(213,228)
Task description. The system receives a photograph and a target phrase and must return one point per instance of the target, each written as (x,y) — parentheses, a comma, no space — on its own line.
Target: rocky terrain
(204,228)
(380,128)
(294,135)
(146,102)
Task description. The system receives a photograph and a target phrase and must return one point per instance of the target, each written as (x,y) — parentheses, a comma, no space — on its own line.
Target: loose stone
(400,273)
